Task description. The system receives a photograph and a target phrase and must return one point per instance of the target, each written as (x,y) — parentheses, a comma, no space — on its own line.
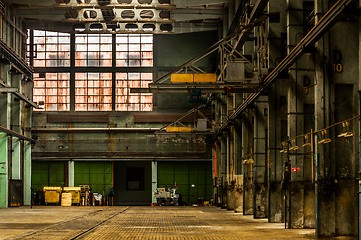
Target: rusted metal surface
(161,117)
(78,118)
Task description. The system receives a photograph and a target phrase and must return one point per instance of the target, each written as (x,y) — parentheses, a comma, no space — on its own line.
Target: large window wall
(91,72)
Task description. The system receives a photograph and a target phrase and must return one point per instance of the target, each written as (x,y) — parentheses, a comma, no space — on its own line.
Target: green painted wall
(186,174)
(47,174)
(96,174)
(3,170)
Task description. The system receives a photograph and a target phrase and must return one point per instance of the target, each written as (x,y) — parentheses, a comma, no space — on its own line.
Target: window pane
(132,102)
(94,90)
(54,92)
(51,47)
(96,48)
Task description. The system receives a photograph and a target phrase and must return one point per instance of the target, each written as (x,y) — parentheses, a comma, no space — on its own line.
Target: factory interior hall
(244,109)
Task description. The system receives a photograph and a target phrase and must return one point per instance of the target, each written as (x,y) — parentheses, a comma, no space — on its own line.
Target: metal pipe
(311,38)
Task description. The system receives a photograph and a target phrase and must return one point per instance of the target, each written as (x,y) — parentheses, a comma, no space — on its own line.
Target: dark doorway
(132,183)
(135,178)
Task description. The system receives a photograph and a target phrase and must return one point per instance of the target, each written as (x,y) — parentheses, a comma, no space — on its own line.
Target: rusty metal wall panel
(78,118)
(161,118)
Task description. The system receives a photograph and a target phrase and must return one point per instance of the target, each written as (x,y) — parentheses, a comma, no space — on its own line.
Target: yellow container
(205,77)
(181,78)
(193,78)
(178,129)
(66,199)
(52,194)
(75,194)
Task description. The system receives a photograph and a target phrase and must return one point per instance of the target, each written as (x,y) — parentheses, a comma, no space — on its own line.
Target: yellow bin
(52,194)
(75,194)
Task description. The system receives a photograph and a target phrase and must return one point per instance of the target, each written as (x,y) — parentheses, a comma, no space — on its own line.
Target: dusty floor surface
(176,223)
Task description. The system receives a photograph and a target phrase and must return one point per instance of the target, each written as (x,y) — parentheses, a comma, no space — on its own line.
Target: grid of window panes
(53,89)
(134,50)
(51,49)
(93,50)
(126,101)
(93,91)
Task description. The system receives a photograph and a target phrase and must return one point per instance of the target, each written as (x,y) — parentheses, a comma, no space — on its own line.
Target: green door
(193,179)
(98,175)
(47,174)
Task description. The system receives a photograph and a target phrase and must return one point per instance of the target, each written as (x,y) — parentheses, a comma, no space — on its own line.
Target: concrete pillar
(26,122)
(230,158)
(296,191)
(277,123)
(276,133)
(238,194)
(344,151)
(218,180)
(247,146)
(325,203)
(71,173)
(154,180)
(295,210)
(231,170)
(223,171)
(16,167)
(27,173)
(4,183)
(259,167)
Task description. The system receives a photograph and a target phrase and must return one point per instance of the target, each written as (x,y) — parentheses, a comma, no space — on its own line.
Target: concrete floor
(176,223)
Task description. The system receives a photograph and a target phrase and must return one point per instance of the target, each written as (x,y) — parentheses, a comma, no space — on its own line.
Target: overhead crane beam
(204,87)
(241,35)
(325,23)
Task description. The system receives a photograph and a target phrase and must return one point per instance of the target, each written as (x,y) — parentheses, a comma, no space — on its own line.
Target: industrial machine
(167,196)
